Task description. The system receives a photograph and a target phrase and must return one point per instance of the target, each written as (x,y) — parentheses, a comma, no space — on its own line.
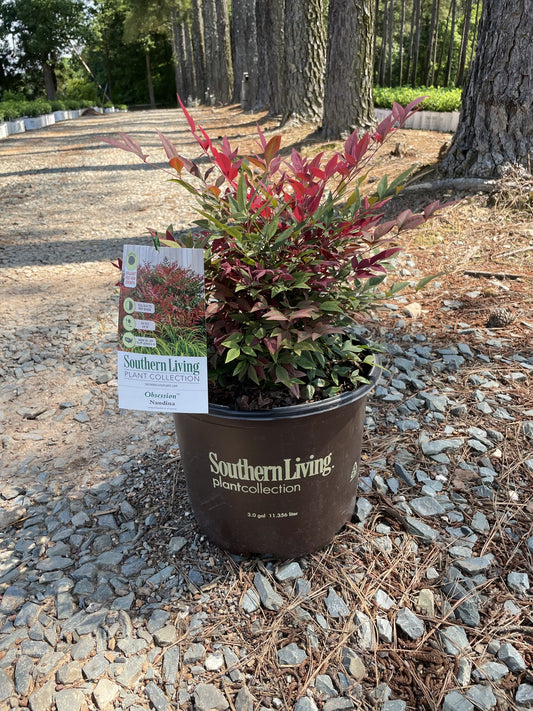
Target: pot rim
(304,409)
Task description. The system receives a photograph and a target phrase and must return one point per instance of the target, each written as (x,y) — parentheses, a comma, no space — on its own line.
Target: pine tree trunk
(174,30)
(149,79)
(224,74)
(209,16)
(305,58)
(459,80)
(451,44)
(348,100)
(238,40)
(400,57)
(199,50)
(416,41)
(270,92)
(495,128)
(383,51)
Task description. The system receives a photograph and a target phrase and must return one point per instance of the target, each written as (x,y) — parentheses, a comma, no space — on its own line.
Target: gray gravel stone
(12,599)
(250,601)
(289,571)
(353,664)
(364,631)
(165,636)
(524,696)
(130,671)
(427,506)
(519,582)
(394,705)
(511,657)
(474,566)
(324,685)
(268,596)
(453,640)
(70,700)
(409,623)
(194,653)
(482,697)
(306,703)
(492,671)
(171,663)
(291,655)
(6,686)
(244,701)
(95,667)
(454,701)
(421,530)
(335,605)
(208,698)
(43,698)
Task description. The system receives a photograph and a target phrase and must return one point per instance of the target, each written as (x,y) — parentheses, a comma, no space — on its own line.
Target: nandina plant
(295,253)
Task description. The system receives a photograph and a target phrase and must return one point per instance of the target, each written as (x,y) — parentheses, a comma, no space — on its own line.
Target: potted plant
(294,256)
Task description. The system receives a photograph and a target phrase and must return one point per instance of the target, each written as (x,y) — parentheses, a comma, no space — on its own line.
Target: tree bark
(244,45)
(467,19)
(209,17)
(149,79)
(495,128)
(305,55)
(174,30)
(348,102)
(49,81)
(270,23)
(199,50)
(224,74)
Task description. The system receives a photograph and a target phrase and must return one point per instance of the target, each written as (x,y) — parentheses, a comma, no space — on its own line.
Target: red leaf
(187,115)
(126,143)
(271,149)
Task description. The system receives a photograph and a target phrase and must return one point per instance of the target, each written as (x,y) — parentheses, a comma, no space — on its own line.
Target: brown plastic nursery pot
(281,482)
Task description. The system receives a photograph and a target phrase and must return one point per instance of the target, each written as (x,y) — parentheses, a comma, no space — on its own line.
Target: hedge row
(13,108)
(441,99)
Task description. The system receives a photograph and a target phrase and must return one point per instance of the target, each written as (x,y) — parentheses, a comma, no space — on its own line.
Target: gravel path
(110,598)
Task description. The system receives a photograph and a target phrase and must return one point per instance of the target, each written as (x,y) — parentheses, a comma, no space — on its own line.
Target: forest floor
(69,204)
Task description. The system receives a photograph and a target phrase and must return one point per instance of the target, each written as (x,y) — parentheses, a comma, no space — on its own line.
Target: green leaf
(232,354)
(422,283)
(398,286)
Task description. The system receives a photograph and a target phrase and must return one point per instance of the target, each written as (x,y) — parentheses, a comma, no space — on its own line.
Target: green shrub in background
(58,106)
(439,99)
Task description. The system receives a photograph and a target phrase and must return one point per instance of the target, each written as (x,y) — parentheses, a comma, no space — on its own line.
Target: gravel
(110,597)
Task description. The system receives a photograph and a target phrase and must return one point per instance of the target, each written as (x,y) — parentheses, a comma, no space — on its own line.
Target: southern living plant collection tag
(162,350)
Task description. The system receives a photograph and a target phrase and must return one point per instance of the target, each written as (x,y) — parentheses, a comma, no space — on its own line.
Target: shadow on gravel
(63,252)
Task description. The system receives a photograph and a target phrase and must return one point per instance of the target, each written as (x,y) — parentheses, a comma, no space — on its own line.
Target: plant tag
(162,352)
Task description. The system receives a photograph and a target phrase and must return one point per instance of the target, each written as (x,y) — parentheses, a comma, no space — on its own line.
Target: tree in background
(270,82)
(305,60)
(496,123)
(348,102)
(43,31)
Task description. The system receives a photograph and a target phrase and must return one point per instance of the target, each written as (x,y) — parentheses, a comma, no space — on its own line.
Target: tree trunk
(305,56)
(451,45)
(224,74)
(390,42)
(244,36)
(348,100)
(49,81)
(209,16)
(432,41)
(174,30)
(238,40)
(149,79)
(495,128)
(251,53)
(383,50)
(199,50)
(459,80)
(270,19)
(190,66)
(416,40)
(400,58)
